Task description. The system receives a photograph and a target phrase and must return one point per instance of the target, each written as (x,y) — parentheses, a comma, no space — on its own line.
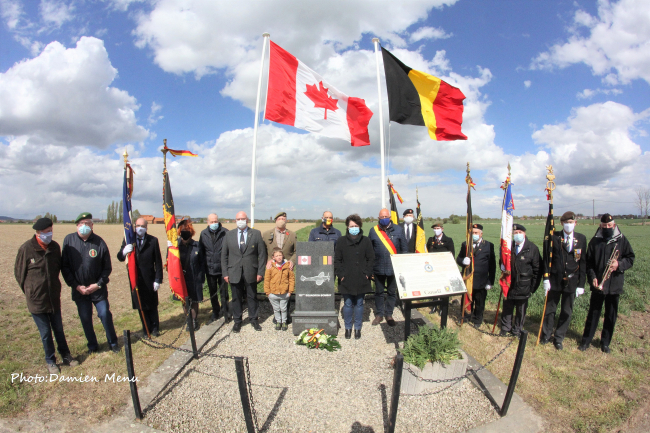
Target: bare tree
(642,202)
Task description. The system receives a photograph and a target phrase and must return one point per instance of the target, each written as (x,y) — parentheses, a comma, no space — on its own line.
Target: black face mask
(186,235)
(607,233)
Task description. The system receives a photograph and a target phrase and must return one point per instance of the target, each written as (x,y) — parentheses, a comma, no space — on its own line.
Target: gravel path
(296,389)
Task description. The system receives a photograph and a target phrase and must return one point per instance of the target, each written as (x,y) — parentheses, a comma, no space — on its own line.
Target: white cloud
(55,12)
(590,93)
(63,97)
(122,5)
(154,117)
(527,83)
(429,33)
(617,46)
(11,12)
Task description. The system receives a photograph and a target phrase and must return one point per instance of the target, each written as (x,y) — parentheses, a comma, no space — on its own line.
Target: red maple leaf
(320,98)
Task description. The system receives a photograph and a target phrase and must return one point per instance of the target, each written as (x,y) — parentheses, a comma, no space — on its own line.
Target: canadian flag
(300,97)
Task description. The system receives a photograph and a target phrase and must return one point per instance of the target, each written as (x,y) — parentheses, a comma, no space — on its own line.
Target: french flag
(506,236)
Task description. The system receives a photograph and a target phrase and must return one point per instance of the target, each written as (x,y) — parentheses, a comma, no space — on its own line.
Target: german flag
(420,240)
(179,152)
(174,268)
(393,206)
(416,98)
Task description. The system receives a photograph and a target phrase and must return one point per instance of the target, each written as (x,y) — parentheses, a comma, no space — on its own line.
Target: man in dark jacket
(607,238)
(37,268)
(387,239)
(567,279)
(326,231)
(526,274)
(485,267)
(410,233)
(440,242)
(86,266)
(149,267)
(211,243)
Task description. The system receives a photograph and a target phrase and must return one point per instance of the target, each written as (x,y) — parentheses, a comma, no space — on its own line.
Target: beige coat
(279,281)
(288,248)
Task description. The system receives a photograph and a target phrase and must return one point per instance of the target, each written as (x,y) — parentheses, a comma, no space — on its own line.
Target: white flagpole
(266,37)
(381,128)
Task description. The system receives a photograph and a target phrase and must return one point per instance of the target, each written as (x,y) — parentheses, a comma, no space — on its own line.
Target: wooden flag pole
(550,186)
(382,145)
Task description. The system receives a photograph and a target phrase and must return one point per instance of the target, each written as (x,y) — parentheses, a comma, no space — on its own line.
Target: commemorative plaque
(427,275)
(315,288)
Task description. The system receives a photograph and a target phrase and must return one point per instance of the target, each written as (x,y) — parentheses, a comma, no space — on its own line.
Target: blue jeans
(388,282)
(46,324)
(85,309)
(353,309)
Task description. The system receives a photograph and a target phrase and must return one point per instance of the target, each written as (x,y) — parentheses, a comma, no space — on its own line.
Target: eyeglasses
(85,223)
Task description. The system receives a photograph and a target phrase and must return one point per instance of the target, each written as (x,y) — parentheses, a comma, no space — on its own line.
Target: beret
(83,216)
(279,214)
(436,225)
(477,226)
(606,218)
(568,215)
(518,227)
(407,211)
(42,224)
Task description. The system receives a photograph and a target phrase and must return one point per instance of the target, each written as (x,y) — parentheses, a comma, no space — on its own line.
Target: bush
(456,220)
(431,344)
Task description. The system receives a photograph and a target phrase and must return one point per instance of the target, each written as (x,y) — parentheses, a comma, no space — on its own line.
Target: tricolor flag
(416,98)
(129,230)
(299,97)
(468,272)
(304,260)
(327,260)
(506,235)
(549,232)
(174,268)
(393,205)
(420,240)
(179,152)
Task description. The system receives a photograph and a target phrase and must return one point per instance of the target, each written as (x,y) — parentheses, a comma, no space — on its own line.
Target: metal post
(382,146)
(131,373)
(243,393)
(444,313)
(397,386)
(515,372)
(190,326)
(407,319)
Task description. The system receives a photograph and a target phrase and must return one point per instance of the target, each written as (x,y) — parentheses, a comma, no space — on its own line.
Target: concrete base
(436,371)
(303,320)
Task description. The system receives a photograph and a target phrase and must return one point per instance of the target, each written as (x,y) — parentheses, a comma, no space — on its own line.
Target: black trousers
(518,306)
(240,291)
(151,316)
(593,317)
(566,300)
(478,306)
(218,291)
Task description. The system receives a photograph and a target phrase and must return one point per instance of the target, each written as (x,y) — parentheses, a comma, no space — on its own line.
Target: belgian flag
(416,98)
(174,268)
(420,239)
(393,205)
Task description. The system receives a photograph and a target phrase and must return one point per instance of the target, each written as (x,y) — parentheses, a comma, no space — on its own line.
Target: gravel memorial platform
(296,389)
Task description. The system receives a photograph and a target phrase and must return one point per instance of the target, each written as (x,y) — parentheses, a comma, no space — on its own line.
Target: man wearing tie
(243,263)
(150,275)
(567,279)
(409,230)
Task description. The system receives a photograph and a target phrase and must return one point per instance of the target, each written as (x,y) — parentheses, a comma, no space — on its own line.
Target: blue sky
(555,82)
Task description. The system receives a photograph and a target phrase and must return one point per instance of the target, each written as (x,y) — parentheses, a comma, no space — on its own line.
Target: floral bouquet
(317,339)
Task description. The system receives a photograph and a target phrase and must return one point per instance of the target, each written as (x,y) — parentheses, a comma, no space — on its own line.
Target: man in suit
(440,242)
(149,266)
(409,230)
(210,245)
(485,267)
(567,279)
(243,263)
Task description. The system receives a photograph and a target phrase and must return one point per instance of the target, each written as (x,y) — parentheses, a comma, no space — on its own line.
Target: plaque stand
(408,305)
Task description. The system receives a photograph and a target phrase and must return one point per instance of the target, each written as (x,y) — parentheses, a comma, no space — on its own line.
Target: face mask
(241,224)
(214,227)
(568,227)
(186,235)
(327,221)
(438,232)
(408,220)
(141,231)
(85,230)
(384,221)
(607,233)
(353,230)
(46,238)
(475,238)
(519,238)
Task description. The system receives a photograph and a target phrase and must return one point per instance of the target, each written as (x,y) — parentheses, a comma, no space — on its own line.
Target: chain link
(250,394)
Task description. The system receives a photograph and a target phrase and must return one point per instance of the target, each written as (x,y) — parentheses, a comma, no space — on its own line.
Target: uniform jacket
(353,262)
(320,234)
(485,264)
(211,244)
(250,264)
(192,262)
(446,244)
(410,243)
(527,270)
(279,281)
(85,263)
(149,264)
(288,247)
(598,254)
(383,264)
(37,272)
(572,265)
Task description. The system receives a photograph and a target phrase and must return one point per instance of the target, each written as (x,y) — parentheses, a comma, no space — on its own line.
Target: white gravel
(296,389)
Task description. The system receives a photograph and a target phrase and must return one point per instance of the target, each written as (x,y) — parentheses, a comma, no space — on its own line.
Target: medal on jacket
(577,253)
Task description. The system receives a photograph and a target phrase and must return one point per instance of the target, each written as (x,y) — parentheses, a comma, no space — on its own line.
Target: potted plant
(431,354)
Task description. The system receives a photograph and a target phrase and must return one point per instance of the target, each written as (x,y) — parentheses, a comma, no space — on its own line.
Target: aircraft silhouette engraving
(319,279)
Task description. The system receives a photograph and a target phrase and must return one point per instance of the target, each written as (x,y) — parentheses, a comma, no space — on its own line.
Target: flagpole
(381,127)
(265,37)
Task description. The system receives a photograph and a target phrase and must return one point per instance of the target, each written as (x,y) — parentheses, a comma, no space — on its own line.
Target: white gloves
(156,286)
(169,244)
(580,291)
(503,268)
(488,287)
(467,261)
(128,248)
(547,286)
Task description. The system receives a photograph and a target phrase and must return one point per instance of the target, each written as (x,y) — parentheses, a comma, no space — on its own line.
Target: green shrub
(431,344)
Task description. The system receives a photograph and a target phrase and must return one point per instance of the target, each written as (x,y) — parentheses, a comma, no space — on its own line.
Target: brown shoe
(390,321)
(377,320)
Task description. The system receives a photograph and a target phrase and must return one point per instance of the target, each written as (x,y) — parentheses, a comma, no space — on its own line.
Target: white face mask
(46,238)
(241,224)
(568,227)
(438,232)
(408,220)
(141,231)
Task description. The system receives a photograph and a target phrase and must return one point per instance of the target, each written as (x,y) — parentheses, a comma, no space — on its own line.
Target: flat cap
(477,226)
(568,215)
(279,214)
(42,224)
(83,216)
(436,225)
(407,211)
(606,218)
(518,227)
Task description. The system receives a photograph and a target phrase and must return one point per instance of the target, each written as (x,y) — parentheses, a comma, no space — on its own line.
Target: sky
(561,83)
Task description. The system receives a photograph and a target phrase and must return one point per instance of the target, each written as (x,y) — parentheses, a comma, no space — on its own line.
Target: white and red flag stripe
(300,97)
(506,235)
(304,260)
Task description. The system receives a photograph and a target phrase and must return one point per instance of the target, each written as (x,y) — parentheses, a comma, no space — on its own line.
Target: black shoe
(476,325)
(115,348)
(236,327)
(228,318)
(285,327)
(275,322)
(348,334)
(390,321)
(256,326)
(558,345)
(90,352)
(583,347)
(433,310)
(544,341)
(196,325)
(605,349)
(357,334)
(504,333)
(155,332)
(213,318)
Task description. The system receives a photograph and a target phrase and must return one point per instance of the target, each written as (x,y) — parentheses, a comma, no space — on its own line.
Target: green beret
(568,215)
(83,216)
(279,214)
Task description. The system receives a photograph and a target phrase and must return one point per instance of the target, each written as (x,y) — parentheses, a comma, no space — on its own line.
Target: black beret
(518,227)
(477,226)
(568,215)
(42,224)
(606,218)
(407,211)
(83,216)
(279,214)
(436,225)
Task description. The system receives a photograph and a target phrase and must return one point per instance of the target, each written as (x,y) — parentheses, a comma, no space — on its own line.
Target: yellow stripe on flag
(427,87)
(324,260)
